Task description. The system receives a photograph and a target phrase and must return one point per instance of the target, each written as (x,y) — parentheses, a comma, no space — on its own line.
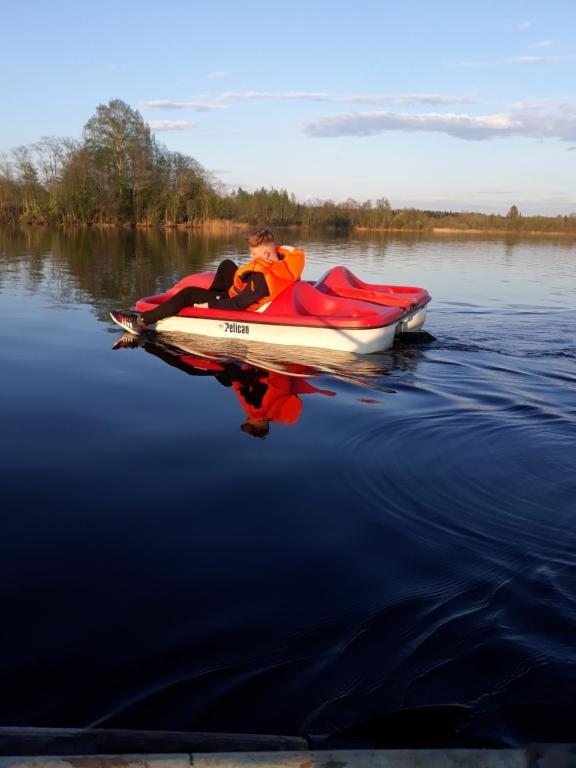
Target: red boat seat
(340,281)
(302,298)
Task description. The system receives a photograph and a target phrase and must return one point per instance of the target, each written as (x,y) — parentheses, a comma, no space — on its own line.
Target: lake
(391,558)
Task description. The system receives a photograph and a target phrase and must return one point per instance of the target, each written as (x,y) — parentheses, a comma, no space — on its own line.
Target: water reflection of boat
(269,380)
(301,361)
(295,361)
(267,392)
(337,312)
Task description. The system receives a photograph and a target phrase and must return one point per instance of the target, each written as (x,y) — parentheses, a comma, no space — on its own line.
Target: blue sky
(448,105)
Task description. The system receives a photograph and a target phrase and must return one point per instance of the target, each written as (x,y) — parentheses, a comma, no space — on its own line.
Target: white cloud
(543,44)
(402,99)
(224,100)
(516,60)
(537,59)
(524,25)
(369,123)
(525,60)
(538,120)
(198,106)
(545,119)
(219,74)
(170,125)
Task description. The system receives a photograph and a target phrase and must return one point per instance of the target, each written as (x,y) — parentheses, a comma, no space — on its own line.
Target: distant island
(119,175)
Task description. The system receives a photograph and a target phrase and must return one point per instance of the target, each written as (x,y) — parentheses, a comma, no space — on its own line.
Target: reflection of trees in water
(106,267)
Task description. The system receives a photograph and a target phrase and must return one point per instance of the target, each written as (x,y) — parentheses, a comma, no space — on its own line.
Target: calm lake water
(396,559)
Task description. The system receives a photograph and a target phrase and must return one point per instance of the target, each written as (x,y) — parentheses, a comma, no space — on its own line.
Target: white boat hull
(414,322)
(359,340)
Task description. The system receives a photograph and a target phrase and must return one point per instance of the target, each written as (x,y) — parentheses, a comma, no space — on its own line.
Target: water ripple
(496,470)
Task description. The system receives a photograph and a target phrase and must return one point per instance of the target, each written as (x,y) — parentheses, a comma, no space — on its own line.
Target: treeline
(119,175)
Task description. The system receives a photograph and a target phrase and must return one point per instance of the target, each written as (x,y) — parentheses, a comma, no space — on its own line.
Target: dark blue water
(394,560)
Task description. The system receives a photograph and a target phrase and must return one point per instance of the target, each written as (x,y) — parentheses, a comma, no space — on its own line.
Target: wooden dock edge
(102,741)
(77,748)
(549,757)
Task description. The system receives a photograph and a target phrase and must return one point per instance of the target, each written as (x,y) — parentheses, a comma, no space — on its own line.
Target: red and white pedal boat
(338,312)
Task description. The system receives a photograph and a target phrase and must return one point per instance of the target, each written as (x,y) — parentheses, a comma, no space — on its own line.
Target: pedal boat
(337,312)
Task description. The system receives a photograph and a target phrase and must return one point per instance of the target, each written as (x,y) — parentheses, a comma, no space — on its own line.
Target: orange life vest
(278,274)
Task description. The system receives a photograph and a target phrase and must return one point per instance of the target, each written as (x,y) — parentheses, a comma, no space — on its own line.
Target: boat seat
(340,281)
(304,299)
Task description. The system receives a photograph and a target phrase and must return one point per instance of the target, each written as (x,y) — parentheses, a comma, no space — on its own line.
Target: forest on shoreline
(119,175)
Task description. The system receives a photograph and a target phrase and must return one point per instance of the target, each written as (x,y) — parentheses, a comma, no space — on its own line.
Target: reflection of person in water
(266,396)
(271,396)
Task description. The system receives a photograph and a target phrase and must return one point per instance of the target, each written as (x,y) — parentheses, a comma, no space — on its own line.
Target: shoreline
(451,230)
(221,226)
(457,231)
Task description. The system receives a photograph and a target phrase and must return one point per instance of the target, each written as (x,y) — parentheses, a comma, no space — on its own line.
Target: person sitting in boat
(272,269)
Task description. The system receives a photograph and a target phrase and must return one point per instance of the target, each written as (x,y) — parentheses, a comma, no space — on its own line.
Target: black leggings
(187,297)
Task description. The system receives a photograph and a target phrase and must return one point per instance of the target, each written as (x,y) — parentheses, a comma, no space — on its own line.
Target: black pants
(187,297)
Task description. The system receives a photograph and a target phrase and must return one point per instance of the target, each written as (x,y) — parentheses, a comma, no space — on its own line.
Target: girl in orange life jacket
(272,269)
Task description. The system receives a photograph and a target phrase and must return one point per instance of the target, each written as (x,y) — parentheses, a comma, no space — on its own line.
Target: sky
(467,105)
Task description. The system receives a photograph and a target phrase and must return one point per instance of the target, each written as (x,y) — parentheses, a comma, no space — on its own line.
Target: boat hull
(359,340)
(414,321)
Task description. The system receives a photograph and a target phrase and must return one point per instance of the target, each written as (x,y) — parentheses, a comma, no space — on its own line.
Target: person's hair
(260,237)
(256,430)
